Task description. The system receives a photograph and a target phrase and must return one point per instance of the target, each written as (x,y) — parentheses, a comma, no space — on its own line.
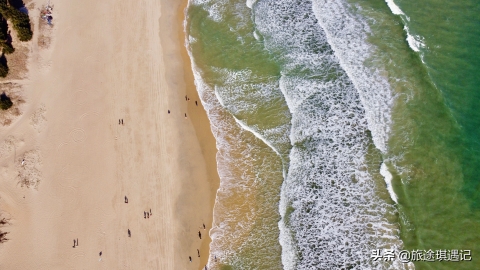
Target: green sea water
(434,148)
(254,87)
(451,30)
(234,66)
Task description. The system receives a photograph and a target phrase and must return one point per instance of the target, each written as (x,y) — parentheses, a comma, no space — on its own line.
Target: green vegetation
(20,20)
(5,39)
(5,102)
(3,66)
(7,48)
(21,24)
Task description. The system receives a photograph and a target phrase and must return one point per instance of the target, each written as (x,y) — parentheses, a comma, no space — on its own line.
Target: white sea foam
(250,3)
(255,34)
(191,39)
(258,135)
(394,8)
(214,8)
(327,185)
(286,239)
(415,42)
(388,181)
(328,190)
(412,42)
(223,128)
(244,94)
(212,104)
(238,152)
(230,226)
(347,35)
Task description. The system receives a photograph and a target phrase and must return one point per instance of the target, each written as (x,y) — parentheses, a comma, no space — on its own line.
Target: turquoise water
(342,127)
(452,59)
(438,151)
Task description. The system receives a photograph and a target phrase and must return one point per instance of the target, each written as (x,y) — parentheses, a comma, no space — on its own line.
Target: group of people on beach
(187,99)
(147,214)
(204,227)
(199,236)
(198,251)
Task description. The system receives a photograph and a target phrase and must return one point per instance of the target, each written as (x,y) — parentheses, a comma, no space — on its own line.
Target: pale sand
(106,60)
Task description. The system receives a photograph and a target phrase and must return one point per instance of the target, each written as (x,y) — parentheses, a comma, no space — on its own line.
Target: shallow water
(327,113)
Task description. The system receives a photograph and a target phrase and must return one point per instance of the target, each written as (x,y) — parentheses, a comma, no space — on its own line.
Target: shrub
(5,102)
(3,69)
(5,39)
(7,48)
(3,66)
(20,21)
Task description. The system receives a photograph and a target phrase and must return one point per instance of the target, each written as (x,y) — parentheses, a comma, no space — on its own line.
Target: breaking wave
(329,199)
(333,203)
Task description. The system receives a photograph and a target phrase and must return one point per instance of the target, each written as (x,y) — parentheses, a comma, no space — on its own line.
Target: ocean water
(342,126)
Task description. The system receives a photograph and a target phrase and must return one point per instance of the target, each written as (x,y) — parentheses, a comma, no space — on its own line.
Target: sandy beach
(103,63)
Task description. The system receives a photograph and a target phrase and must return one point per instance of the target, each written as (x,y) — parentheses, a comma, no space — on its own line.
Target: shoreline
(125,63)
(202,127)
(200,122)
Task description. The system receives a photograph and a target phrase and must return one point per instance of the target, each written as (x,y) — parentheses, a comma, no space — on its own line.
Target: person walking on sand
(126,199)
(74,243)
(129,233)
(198,251)
(190,258)
(150,211)
(119,121)
(199,235)
(122,121)
(196,103)
(204,226)
(168,111)
(148,215)
(185,116)
(144,214)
